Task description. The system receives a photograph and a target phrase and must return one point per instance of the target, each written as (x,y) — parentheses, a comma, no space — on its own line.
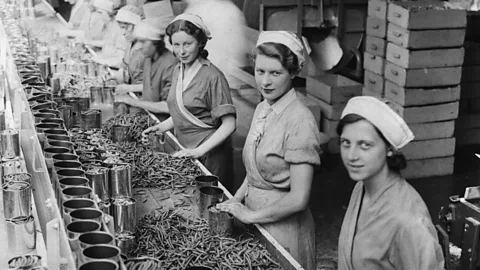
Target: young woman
(95,24)
(387,225)
(199,102)
(79,10)
(281,150)
(157,71)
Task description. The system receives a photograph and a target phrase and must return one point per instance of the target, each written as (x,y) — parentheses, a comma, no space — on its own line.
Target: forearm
(135,88)
(240,194)
(155,107)
(167,124)
(220,135)
(95,43)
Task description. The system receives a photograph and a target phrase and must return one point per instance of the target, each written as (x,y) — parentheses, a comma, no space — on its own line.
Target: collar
(279,106)
(203,61)
(395,180)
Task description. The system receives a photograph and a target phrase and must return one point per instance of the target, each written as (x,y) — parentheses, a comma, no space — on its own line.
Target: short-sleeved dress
(396,233)
(291,136)
(133,63)
(207,97)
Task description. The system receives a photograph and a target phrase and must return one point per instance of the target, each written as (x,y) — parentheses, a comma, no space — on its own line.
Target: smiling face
(185,47)
(363,151)
(273,79)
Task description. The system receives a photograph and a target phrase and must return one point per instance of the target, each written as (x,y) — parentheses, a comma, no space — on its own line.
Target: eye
(344,143)
(259,71)
(365,145)
(277,73)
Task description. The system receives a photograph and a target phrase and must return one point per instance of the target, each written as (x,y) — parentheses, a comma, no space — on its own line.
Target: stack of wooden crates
(417,68)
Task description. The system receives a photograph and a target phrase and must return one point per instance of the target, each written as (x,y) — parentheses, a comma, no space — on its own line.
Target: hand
(122,89)
(123,99)
(191,153)
(156,128)
(238,210)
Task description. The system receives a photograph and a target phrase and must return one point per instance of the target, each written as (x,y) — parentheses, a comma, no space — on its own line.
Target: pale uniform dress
(395,233)
(115,45)
(79,12)
(133,62)
(280,135)
(196,110)
(93,26)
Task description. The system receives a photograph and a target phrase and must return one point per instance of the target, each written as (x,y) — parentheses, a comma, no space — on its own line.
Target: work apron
(218,161)
(295,233)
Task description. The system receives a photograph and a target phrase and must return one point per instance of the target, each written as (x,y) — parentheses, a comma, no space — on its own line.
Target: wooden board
(376,27)
(375,45)
(432,113)
(425,39)
(373,63)
(377,8)
(470,90)
(431,131)
(467,136)
(417,96)
(471,74)
(424,77)
(429,149)
(468,121)
(428,167)
(424,58)
(333,89)
(373,82)
(472,54)
(329,111)
(367,92)
(329,127)
(408,16)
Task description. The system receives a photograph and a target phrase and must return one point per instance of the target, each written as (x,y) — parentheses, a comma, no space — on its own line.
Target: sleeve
(166,82)
(302,141)
(219,99)
(417,247)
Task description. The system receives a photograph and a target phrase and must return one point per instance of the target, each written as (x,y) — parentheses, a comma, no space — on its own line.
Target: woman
(93,27)
(131,71)
(200,104)
(79,10)
(281,150)
(387,225)
(157,71)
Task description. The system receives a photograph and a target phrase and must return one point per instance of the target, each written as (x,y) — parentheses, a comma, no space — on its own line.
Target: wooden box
(429,167)
(367,92)
(376,46)
(471,74)
(425,39)
(373,82)
(435,130)
(426,15)
(373,63)
(377,8)
(329,127)
(330,111)
(468,121)
(417,96)
(424,77)
(376,27)
(333,89)
(429,149)
(432,113)
(424,58)
(470,90)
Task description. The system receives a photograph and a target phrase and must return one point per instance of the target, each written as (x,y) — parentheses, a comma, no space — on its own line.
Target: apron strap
(181,86)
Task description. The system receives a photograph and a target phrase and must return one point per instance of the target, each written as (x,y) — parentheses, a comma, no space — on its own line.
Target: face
(185,47)
(363,151)
(273,79)
(127,30)
(148,48)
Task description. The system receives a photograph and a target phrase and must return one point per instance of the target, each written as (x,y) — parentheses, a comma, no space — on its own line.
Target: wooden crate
(429,149)
(431,131)
(333,89)
(376,46)
(424,77)
(376,27)
(428,167)
(424,58)
(377,8)
(329,111)
(425,39)
(417,96)
(470,90)
(432,113)
(329,127)
(367,92)
(426,15)
(373,82)
(471,74)
(373,63)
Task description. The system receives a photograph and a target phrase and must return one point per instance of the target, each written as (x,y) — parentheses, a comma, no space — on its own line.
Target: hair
(280,52)
(396,162)
(192,30)
(159,46)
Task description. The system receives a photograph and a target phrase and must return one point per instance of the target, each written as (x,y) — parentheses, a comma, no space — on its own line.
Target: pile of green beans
(143,264)
(138,122)
(179,243)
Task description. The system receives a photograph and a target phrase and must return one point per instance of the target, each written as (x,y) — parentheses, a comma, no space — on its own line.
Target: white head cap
(195,20)
(289,39)
(147,29)
(129,14)
(103,5)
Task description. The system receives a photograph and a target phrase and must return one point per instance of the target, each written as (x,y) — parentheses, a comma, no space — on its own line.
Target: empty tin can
(55,131)
(95,238)
(123,212)
(66,112)
(96,95)
(17,199)
(220,223)
(125,241)
(58,121)
(41,127)
(73,204)
(120,177)
(61,144)
(121,134)
(65,157)
(98,177)
(87,214)
(10,143)
(209,196)
(56,112)
(99,264)
(101,251)
(108,93)
(21,234)
(77,228)
(91,119)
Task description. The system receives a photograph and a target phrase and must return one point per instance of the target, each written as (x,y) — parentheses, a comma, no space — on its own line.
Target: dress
(133,62)
(291,136)
(397,232)
(206,98)
(78,12)
(93,26)
(115,45)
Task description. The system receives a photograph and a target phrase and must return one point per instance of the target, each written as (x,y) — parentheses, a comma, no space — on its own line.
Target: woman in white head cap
(157,71)
(281,151)
(199,103)
(95,25)
(79,11)
(387,224)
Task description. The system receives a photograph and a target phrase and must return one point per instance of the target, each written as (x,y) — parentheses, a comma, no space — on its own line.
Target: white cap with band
(126,16)
(105,5)
(384,118)
(289,39)
(146,30)
(195,20)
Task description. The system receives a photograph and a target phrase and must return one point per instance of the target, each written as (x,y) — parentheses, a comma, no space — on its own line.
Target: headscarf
(384,118)
(289,39)
(103,5)
(195,20)
(147,29)
(129,14)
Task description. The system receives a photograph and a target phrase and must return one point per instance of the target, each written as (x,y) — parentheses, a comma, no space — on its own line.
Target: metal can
(10,166)
(120,177)
(22,235)
(91,119)
(98,177)
(10,143)
(123,211)
(17,199)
